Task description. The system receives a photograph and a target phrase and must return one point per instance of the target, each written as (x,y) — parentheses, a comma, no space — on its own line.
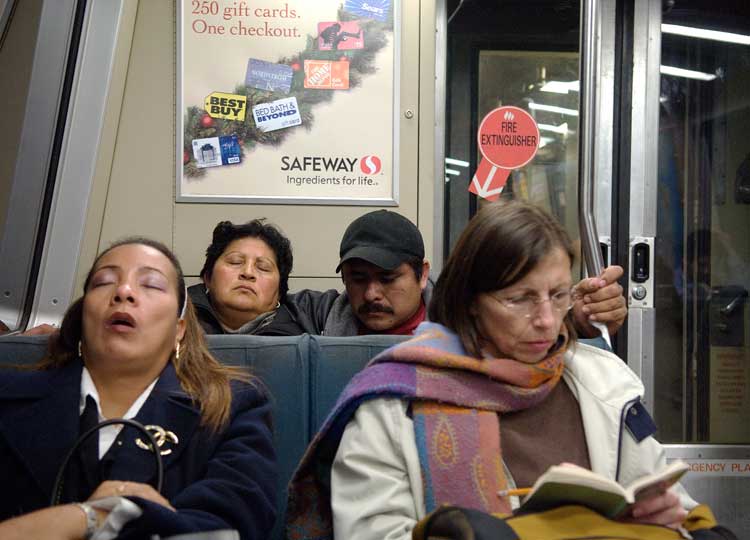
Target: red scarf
(404,329)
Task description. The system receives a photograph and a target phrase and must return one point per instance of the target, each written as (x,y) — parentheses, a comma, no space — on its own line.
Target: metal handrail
(589,63)
(589,60)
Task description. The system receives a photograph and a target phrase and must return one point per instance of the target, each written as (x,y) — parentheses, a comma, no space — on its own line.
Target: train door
(671,168)
(689,247)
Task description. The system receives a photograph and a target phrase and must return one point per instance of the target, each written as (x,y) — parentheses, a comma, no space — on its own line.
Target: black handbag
(58,486)
(224,534)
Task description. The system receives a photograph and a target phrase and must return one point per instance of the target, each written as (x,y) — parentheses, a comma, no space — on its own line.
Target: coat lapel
(39,419)
(168,407)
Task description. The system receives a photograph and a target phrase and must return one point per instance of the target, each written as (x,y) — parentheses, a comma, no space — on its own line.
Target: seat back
(304,376)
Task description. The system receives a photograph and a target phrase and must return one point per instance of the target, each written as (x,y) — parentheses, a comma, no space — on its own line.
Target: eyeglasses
(526,305)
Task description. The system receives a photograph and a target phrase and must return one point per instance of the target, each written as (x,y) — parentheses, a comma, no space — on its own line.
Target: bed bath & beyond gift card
(327,75)
(340,36)
(278,114)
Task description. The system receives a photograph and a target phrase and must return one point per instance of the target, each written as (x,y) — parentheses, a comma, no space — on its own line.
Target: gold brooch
(161,436)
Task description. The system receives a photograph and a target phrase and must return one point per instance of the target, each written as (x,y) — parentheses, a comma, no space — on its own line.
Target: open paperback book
(566,484)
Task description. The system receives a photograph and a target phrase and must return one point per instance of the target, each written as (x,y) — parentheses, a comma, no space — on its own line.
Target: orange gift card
(327,75)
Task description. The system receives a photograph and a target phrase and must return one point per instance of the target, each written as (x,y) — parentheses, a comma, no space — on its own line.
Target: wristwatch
(92,521)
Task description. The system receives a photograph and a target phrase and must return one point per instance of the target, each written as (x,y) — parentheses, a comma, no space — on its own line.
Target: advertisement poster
(288,101)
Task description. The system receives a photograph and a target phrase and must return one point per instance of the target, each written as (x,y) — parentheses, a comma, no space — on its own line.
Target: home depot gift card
(327,75)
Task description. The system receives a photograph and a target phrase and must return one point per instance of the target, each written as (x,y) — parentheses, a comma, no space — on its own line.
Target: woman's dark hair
(503,243)
(201,376)
(227,232)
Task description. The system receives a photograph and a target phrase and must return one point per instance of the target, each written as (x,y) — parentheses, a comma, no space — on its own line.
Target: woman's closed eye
(154,284)
(103,278)
(264,266)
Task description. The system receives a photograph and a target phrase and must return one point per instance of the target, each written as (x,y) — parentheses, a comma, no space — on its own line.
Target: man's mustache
(374,307)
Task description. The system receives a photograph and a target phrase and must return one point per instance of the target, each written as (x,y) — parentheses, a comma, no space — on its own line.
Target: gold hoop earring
(80,354)
(177,351)
(278,304)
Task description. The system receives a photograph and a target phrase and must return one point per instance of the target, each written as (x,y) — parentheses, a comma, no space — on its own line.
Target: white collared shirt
(108,434)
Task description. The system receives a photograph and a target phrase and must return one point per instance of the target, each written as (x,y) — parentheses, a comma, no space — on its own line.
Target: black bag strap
(58,487)
(456,523)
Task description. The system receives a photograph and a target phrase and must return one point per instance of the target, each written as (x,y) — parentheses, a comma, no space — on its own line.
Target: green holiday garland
(199,125)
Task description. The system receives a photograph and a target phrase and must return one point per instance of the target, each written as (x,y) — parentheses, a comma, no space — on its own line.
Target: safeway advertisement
(286,101)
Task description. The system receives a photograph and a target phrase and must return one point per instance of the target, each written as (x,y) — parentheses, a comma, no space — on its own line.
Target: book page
(656,483)
(565,484)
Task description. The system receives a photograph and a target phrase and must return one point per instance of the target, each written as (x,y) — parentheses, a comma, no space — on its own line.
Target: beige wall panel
(134,189)
(16,57)
(316,231)
(295,284)
(90,245)
(141,190)
(428,180)
(316,284)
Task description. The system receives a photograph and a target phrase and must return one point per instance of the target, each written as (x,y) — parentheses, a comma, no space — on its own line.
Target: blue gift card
(230,149)
(216,151)
(370,9)
(268,76)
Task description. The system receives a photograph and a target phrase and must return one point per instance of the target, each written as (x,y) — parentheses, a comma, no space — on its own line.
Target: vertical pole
(589,62)
(588,54)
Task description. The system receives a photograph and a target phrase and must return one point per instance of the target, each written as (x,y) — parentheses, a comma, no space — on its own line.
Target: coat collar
(168,407)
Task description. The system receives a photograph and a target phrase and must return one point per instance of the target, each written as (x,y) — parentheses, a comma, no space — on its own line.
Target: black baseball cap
(383,238)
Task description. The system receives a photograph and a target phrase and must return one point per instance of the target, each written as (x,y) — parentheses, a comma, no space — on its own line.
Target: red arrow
(488,181)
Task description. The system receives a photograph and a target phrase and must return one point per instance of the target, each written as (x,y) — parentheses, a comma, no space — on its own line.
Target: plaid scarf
(455,402)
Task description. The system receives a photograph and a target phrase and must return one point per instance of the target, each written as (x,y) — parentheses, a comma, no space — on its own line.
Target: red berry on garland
(207,121)
(295,66)
(185,157)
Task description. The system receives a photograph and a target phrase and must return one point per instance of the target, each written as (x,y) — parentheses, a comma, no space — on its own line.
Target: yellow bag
(563,523)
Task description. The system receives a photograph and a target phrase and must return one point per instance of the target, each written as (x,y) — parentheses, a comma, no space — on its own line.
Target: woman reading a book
(483,399)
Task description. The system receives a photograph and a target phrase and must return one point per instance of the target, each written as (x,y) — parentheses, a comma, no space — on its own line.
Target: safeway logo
(370,164)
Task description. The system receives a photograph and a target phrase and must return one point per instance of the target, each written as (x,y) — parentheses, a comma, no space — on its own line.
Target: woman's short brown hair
(500,245)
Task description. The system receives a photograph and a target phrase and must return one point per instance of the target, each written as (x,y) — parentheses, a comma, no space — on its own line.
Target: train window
(702,353)
(516,54)
(545,84)
(59,56)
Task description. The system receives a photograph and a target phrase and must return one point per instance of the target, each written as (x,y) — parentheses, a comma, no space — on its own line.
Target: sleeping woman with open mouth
(131,347)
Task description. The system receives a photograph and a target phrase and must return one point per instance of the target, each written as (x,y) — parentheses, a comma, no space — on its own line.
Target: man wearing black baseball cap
(387,284)
(386,277)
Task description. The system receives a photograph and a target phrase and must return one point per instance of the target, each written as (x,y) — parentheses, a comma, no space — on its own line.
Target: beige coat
(376,483)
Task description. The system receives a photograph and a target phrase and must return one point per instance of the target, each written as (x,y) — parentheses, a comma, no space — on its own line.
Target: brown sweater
(551,433)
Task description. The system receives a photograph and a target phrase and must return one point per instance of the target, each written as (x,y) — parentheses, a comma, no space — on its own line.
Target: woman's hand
(118,488)
(661,509)
(601,300)
(65,522)
(41,330)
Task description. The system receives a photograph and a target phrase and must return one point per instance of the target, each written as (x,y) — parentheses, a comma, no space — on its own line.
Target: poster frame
(181,197)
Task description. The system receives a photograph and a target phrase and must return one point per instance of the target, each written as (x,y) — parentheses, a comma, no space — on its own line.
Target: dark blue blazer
(214,480)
